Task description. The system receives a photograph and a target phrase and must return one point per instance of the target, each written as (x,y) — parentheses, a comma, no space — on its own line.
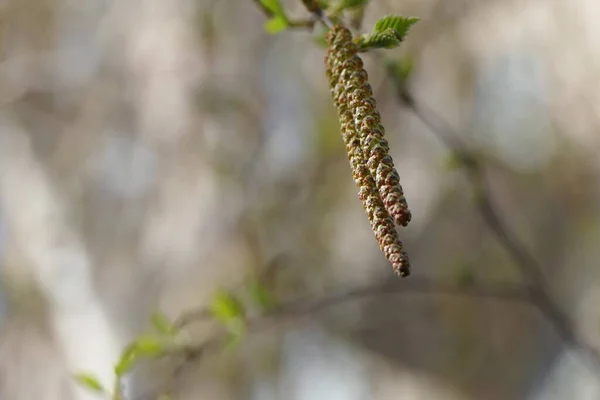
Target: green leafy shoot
(162,324)
(89,381)
(279,20)
(388,33)
(226,308)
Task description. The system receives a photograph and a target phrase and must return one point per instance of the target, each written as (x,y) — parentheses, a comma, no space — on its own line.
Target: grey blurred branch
(529,267)
(311,306)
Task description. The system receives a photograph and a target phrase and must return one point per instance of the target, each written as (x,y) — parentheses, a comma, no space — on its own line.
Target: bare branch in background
(311,306)
(489,211)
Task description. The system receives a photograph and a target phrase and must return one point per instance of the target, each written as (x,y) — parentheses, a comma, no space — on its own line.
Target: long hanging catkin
(367,150)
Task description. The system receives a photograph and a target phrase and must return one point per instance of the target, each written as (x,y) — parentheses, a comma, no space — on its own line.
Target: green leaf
(388,32)
(276,24)
(226,308)
(262,296)
(162,324)
(127,361)
(149,346)
(387,39)
(273,6)
(89,381)
(400,25)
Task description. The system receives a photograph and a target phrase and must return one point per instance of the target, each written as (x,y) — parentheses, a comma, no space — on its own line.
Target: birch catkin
(372,167)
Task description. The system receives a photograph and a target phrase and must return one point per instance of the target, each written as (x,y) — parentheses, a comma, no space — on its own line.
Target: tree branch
(294,310)
(527,264)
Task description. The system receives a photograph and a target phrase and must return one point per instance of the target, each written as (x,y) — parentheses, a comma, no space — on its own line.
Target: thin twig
(529,267)
(415,285)
(311,307)
(313,7)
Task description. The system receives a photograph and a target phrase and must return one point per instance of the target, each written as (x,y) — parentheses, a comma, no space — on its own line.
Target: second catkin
(373,170)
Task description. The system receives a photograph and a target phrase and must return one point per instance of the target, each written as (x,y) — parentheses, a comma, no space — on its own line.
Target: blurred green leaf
(273,6)
(127,360)
(226,308)
(276,24)
(149,346)
(262,296)
(162,324)
(89,381)
(279,20)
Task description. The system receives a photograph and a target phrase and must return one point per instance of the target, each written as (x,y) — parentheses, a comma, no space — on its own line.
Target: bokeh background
(153,151)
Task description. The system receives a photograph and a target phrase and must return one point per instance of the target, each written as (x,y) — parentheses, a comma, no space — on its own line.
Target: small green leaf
(273,6)
(149,346)
(398,24)
(89,381)
(226,308)
(388,32)
(276,24)
(162,324)
(262,296)
(387,39)
(127,361)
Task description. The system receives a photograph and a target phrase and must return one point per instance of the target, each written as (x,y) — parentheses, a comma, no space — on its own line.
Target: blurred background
(153,151)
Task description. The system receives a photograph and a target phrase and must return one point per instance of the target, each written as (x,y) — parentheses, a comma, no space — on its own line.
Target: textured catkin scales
(346,77)
(368,123)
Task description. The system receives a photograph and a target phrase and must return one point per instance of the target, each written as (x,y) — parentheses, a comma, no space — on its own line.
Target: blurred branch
(308,306)
(529,267)
(415,285)
(315,9)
